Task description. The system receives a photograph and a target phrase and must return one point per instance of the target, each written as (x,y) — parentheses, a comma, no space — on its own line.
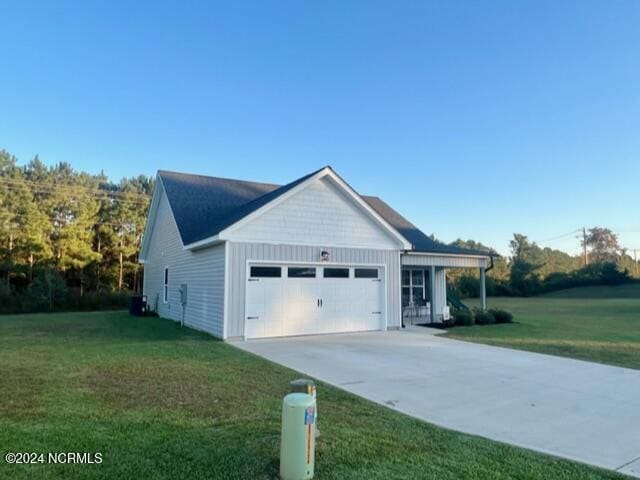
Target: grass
(164,402)
(598,324)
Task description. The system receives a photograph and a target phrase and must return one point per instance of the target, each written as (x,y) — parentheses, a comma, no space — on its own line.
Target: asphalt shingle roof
(204,206)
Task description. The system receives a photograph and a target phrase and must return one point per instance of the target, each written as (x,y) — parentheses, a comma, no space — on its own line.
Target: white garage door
(306,299)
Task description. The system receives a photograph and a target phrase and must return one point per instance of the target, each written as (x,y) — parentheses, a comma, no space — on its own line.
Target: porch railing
(416,314)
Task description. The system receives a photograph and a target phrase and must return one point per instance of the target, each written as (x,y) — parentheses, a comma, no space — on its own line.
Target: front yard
(163,402)
(598,324)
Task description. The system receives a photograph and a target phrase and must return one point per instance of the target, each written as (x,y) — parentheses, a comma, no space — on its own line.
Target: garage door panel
(294,305)
(300,312)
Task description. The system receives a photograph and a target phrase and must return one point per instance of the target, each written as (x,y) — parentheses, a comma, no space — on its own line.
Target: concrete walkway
(569,408)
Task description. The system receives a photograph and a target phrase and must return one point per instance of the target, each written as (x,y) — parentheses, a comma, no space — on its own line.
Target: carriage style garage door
(306,299)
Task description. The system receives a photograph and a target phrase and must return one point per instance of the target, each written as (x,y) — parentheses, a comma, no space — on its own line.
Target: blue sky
(474,119)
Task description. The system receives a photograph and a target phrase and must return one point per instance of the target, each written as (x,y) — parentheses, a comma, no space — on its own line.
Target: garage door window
(336,273)
(301,272)
(266,272)
(366,273)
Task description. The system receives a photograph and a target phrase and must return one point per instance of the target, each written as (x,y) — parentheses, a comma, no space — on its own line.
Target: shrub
(484,317)
(502,316)
(102,300)
(463,318)
(448,323)
(48,292)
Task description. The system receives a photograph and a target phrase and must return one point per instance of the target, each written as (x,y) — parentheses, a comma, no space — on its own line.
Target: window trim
(411,286)
(165,285)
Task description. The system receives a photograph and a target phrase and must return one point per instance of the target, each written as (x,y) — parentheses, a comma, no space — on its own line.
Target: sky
(474,119)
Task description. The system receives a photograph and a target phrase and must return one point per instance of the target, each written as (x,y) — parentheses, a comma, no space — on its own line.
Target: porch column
(483,290)
(432,289)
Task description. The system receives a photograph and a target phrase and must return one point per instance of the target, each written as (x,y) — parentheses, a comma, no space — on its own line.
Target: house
(245,260)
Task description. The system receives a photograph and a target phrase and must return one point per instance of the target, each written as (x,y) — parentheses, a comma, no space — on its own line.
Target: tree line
(68,239)
(532,269)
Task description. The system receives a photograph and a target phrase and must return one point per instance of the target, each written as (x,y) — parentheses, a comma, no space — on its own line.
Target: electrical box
(183,294)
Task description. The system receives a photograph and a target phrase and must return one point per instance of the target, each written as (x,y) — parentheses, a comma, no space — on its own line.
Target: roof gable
(320,213)
(205,206)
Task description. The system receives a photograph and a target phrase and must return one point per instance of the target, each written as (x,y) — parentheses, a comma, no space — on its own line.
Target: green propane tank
(298,441)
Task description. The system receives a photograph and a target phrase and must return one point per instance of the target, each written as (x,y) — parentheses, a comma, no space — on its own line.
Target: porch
(424,285)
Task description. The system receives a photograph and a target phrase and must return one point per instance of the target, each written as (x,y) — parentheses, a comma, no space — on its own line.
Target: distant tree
(602,245)
(123,231)
(524,276)
(73,208)
(8,218)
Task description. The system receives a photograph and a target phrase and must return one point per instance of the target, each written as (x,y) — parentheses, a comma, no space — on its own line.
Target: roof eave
(204,243)
(449,254)
(151,219)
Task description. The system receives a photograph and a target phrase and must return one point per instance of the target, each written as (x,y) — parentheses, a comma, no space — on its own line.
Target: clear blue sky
(474,119)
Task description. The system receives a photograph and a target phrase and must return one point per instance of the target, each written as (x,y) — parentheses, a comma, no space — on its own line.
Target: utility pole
(635,260)
(584,246)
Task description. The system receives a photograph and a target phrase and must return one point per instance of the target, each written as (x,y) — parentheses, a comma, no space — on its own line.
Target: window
(366,273)
(165,294)
(302,272)
(413,287)
(266,272)
(336,273)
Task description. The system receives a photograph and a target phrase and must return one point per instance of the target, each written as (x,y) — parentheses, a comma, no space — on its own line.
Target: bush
(102,301)
(483,317)
(501,316)
(463,318)
(448,323)
(49,294)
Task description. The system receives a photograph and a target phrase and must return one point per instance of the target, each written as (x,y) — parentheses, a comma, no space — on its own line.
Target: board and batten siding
(440,300)
(240,253)
(202,271)
(319,214)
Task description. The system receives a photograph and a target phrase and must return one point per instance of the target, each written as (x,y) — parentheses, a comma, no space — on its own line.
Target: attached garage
(305,299)
(309,257)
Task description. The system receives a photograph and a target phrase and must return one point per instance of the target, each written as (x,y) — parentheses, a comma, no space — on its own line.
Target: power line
(558,237)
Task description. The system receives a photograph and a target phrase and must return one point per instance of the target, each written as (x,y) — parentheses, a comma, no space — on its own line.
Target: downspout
(490,266)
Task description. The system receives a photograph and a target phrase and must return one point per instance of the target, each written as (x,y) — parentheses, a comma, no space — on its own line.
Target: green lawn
(599,324)
(163,402)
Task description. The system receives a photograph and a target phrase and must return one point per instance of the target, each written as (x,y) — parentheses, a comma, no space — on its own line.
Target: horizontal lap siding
(320,214)
(240,253)
(202,271)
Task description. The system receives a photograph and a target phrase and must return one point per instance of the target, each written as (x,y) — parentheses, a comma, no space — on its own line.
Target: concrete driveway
(569,408)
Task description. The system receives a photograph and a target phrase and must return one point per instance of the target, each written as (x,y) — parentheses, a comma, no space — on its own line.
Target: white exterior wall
(440,300)
(202,271)
(320,214)
(453,261)
(241,252)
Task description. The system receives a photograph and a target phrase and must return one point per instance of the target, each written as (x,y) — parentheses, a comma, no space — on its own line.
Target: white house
(248,260)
